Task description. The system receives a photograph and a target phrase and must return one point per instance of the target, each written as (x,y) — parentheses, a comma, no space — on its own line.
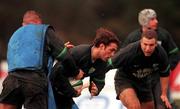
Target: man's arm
(164,75)
(60,82)
(164,84)
(170,47)
(132,37)
(99,84)
(60,52)
(164,87)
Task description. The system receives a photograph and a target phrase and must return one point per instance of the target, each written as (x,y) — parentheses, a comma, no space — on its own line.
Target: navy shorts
(142,87)
(17,91)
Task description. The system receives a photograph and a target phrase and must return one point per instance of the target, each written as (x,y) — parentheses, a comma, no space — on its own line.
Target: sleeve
(121,57)
(76,53)
(132,37)
(127,40)
(174,59)
(164,63)
(171,45)
(117,83)
(60,82)
(171,49)
(173,53)
(99,80)
(60,52)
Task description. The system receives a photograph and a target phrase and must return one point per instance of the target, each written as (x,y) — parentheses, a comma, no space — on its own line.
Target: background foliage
(77,20)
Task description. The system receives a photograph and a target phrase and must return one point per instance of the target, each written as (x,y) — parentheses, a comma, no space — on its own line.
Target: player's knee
(131,102)
(7,106)
(129,99)
(133,105)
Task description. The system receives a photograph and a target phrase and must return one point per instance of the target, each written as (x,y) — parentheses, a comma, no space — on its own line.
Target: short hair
(30,16)
(145,15)
(105,36)
(149,34)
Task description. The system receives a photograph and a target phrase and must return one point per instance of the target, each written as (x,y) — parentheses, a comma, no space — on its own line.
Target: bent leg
(11,95)
(7,106)
(129,99)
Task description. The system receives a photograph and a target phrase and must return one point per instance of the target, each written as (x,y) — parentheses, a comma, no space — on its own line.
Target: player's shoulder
(130,48)
(81,48)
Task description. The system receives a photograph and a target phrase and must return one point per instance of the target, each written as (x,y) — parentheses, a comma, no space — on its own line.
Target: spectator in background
(148,20)
(31,51)
(92,59)
(3,69)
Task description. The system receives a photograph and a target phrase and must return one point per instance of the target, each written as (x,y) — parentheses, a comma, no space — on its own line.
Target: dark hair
(149,34)
(106,37)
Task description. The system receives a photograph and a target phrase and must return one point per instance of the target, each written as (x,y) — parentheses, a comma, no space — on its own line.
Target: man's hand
(94,89)
(68,45)
(80,75)
(78,91)
(166,101)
